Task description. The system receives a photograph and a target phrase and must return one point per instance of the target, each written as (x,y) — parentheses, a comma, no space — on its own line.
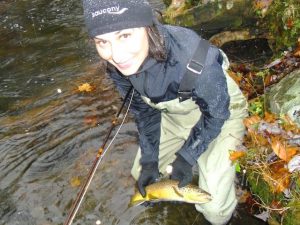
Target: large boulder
(274,20)
(284,97)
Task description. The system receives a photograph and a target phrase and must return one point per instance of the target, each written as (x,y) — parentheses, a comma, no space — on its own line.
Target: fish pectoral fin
(152,197)
(177,191)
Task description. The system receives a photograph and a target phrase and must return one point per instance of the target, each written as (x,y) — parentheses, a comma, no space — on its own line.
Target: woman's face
(125,49)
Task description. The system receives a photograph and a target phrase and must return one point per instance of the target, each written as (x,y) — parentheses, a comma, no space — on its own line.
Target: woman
(196,131)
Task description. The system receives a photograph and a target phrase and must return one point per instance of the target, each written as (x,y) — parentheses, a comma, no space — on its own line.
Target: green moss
(264,195)
(167,2)
(288,210)
(283,21)
(292,214)
(259,187)
(257,106)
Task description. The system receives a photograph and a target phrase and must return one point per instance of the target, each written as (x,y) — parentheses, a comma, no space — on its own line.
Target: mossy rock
(213,15)
(284,97)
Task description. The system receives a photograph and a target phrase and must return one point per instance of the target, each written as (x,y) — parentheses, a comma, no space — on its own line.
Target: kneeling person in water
(195,124)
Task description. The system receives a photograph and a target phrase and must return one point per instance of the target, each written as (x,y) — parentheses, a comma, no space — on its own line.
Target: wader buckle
(184,95)
(195,67)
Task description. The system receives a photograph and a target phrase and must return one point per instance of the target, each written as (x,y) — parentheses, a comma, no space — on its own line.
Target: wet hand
(149,175)
(182,171)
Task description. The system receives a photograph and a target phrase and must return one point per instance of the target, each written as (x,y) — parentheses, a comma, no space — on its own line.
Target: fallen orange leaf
(281,150)
(235,77)
(289,125)
(277,205)
(269,117)
(91,120)
(262,4)
(234,155)
(290,23)
(297,52)
(268,80)
(250,121)
(278,179)
(259,140)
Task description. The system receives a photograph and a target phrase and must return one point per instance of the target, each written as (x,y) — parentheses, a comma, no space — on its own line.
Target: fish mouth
(206,196)
(199,198)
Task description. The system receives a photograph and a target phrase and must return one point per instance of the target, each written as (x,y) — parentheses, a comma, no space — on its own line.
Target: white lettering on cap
(110,10)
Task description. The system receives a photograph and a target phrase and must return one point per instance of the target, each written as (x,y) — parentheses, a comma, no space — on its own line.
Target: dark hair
(157,48)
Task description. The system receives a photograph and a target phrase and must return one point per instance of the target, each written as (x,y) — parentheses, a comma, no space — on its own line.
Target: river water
(50,132)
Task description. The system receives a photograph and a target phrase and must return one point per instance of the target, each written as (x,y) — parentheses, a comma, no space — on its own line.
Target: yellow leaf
(86,87)
(75,182)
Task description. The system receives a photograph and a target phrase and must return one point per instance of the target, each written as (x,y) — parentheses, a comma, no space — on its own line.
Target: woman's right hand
(148,175)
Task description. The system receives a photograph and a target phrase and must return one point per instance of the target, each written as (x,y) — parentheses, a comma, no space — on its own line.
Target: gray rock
(284,97)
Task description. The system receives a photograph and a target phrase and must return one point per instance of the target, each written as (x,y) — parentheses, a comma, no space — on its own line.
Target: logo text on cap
(110,10)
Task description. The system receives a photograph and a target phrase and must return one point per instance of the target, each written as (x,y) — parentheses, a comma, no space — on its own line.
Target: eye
(125,36)
(101,42)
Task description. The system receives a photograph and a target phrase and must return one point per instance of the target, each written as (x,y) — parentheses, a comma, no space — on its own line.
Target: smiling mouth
(125,65)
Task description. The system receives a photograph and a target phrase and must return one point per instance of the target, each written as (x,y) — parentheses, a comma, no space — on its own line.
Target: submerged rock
(22,217)
(6,204)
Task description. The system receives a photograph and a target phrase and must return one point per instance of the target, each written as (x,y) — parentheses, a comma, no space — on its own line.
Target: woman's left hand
(182,171)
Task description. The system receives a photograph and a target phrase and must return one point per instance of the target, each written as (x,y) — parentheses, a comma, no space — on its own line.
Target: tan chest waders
(216,172)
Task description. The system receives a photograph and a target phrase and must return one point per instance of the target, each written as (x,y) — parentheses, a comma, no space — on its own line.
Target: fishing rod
(100,154)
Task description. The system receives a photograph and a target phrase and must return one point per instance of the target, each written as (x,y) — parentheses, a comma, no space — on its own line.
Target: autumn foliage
(271,158)
(253,81)
(270,154)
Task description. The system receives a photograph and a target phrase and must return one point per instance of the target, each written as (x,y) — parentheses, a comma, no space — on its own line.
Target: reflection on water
(50,132)
(45,147)
(43,44)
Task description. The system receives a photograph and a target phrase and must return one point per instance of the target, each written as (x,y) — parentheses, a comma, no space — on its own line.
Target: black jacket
(160,81)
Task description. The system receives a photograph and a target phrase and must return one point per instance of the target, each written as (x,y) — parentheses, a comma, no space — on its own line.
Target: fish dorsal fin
(175,188)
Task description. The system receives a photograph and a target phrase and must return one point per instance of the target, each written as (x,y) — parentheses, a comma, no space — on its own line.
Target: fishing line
(99,157)
(119,128)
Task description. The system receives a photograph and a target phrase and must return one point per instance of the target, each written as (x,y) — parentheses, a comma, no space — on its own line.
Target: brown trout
(168,190)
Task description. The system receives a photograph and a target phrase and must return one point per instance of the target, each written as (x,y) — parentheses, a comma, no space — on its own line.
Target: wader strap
(194,69)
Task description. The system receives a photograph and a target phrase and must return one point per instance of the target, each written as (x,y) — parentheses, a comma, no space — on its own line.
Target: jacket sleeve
(147,119)
(212,96)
